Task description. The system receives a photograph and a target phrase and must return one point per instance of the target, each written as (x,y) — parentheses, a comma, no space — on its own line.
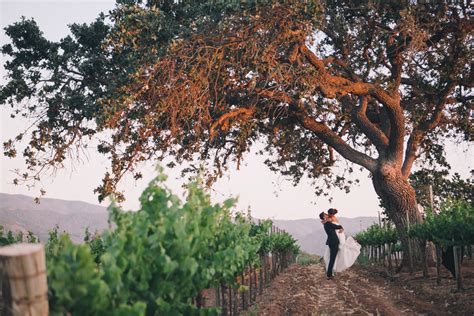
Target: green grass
(362,260)
(307,259)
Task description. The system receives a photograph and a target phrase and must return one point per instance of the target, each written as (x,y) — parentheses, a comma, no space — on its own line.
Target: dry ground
(304,290)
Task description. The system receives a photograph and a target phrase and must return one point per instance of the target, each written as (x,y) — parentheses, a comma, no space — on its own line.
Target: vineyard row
(168,258)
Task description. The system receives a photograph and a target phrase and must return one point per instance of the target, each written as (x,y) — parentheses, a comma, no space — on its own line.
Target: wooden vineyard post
(437,247)
(400,257)
(24,268)
(457,268)
(438,265)
(389,257)
(425,259)
(274,264)
(229,293)
(251,288)
(273,268)
(235,299)
(230,301)
(383,255)
(261,274)
(425,242)
(224,304)
(254,280)
(218,296)
(244,293)
(270,267)
(277,262)
(264,268)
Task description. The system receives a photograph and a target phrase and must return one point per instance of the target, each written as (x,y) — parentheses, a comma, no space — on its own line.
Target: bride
(349,249)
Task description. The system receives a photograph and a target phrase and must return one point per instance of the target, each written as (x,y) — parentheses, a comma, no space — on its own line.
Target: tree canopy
(382,83)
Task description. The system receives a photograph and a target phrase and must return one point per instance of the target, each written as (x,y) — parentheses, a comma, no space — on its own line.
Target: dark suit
(333,243)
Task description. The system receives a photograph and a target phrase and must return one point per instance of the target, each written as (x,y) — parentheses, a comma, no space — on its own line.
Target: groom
(332,241)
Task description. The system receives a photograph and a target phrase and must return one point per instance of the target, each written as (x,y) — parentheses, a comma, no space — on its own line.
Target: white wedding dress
(349,250)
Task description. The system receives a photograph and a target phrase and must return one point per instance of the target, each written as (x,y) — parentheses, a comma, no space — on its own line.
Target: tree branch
(334,86)
(395,57)
(322,131)
(223,119)
(376,136)
(423,128)
(331,138)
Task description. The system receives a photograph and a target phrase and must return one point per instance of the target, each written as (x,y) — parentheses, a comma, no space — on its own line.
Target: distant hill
(21,213)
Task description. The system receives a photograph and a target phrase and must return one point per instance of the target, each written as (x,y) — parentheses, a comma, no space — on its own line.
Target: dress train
(349,250)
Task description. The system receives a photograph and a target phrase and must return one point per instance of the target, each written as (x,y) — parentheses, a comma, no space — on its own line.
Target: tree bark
(399,200)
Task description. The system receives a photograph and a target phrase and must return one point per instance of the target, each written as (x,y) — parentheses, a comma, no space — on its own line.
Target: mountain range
(311,235)
(21,213)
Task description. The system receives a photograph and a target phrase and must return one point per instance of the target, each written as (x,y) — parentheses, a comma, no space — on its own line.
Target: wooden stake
(235,300)
(231,310)
(437,247)
(389,256)
(425,259)
(262,268)
(244,293)
(218,296)
(254,280)
(24,268)
(438,264)
(457,267)
(224,303)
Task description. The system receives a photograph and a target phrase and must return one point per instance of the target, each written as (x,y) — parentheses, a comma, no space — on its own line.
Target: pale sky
(268,195)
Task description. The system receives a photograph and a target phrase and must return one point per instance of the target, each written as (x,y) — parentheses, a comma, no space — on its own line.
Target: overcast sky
(267,194)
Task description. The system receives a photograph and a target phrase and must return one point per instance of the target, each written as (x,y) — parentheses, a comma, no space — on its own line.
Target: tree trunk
(399,200)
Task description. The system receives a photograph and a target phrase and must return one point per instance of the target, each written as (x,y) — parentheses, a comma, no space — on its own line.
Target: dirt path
(304,290)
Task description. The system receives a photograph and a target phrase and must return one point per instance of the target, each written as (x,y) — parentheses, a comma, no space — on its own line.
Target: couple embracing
(340,253)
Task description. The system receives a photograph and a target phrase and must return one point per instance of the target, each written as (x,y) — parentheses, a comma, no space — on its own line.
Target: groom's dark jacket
(330,229)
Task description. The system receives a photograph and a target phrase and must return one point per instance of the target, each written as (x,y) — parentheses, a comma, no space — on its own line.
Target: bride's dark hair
(332,211)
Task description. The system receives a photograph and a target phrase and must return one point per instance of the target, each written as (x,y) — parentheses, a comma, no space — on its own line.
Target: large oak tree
(380,83)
